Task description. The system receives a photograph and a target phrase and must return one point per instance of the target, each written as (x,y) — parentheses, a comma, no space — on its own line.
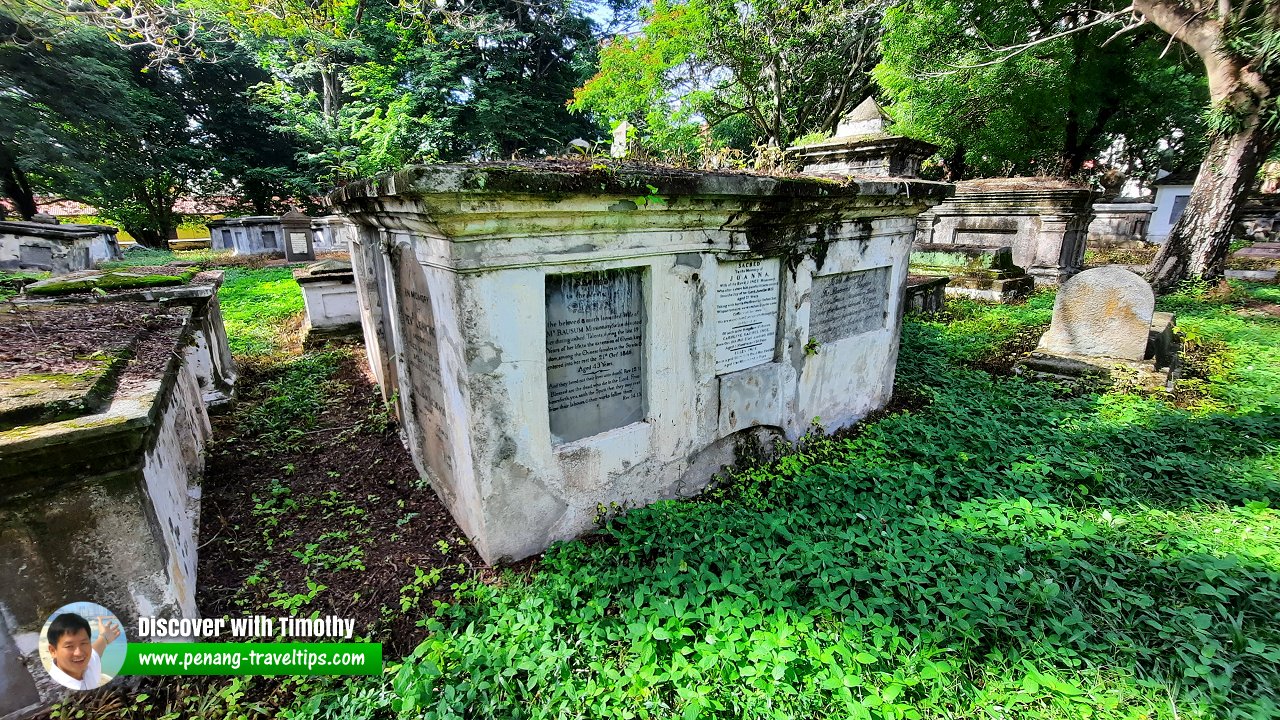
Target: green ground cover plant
(1006,550)
(257,307)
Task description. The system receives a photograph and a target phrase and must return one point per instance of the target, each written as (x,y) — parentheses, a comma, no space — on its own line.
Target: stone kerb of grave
(1103,312)
(209,353)
(102,431)
(560,336)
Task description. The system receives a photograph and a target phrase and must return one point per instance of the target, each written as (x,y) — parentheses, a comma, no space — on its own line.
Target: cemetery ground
(986,547)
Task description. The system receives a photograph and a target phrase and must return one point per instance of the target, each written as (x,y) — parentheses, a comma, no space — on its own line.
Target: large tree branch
(1181,22)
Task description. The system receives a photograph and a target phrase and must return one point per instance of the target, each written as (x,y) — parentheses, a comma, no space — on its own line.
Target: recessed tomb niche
(595,334)
(849,304)
(746,313)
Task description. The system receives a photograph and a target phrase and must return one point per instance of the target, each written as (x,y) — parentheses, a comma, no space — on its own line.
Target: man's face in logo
(72,653)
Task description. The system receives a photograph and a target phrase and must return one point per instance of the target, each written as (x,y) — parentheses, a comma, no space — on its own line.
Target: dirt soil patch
(348,513)
(61,339)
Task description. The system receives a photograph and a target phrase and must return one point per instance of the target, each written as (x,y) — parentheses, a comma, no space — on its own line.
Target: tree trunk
(17,188)
(1198,244)
(149,237)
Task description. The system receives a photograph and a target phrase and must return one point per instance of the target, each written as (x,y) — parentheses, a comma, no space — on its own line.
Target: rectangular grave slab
(553,341)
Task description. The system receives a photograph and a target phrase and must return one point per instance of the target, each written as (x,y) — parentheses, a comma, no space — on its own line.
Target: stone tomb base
(925,294)
(329,295)
(57,249)
(100,461)
(982,273)
(559,338)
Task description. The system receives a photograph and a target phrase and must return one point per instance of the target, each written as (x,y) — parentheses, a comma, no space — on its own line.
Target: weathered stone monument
(332,233)
(54,248)
(1120,224)
(329,296)
(621,141)
(863,146)
(1104,319)
(250,235)
(298,237)
(102,432)
(1045,221)
(557,336)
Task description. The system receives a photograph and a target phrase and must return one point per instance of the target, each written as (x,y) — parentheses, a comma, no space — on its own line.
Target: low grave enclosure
(103,423)
(561,338)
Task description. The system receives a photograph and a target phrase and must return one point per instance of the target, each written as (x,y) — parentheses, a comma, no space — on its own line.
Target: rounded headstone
(1103,312)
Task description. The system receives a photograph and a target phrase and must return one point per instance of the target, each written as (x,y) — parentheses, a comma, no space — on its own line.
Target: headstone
(1103,312)
(594,350)
(619,149)
(849,304)
(298,243)
(746,313)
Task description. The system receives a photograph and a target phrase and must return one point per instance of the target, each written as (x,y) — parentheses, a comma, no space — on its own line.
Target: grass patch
(11,283)
(1005,551)
(261,309)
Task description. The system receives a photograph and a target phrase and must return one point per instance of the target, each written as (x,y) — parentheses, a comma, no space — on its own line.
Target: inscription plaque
(594,345)
(298,242)
(849,304)
(35,256)
(746,313)
(421,354)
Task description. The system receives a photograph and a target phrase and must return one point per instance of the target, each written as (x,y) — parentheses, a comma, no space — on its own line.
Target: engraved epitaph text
(849,304)
(594,347)
(746,314)
(421,353)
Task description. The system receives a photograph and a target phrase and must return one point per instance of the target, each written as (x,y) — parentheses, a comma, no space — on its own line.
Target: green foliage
(255,304)
(1003,547)
(287,406)
(777,67)
(1046,111)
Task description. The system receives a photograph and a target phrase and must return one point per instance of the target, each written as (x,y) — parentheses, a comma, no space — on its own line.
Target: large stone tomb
(250,235)
(58,249)
(1044,220)
(556,338)
(100,462)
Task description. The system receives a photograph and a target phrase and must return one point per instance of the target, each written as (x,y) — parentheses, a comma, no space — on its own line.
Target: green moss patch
(111,280)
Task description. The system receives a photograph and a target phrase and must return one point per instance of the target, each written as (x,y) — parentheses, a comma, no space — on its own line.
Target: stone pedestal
(1045,222)
(329,295)
(558,337)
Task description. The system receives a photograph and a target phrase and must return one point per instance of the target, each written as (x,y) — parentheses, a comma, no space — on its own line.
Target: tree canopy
(1047,110)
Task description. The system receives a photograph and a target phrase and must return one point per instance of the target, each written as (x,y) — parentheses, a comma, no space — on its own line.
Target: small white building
(1172,193)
